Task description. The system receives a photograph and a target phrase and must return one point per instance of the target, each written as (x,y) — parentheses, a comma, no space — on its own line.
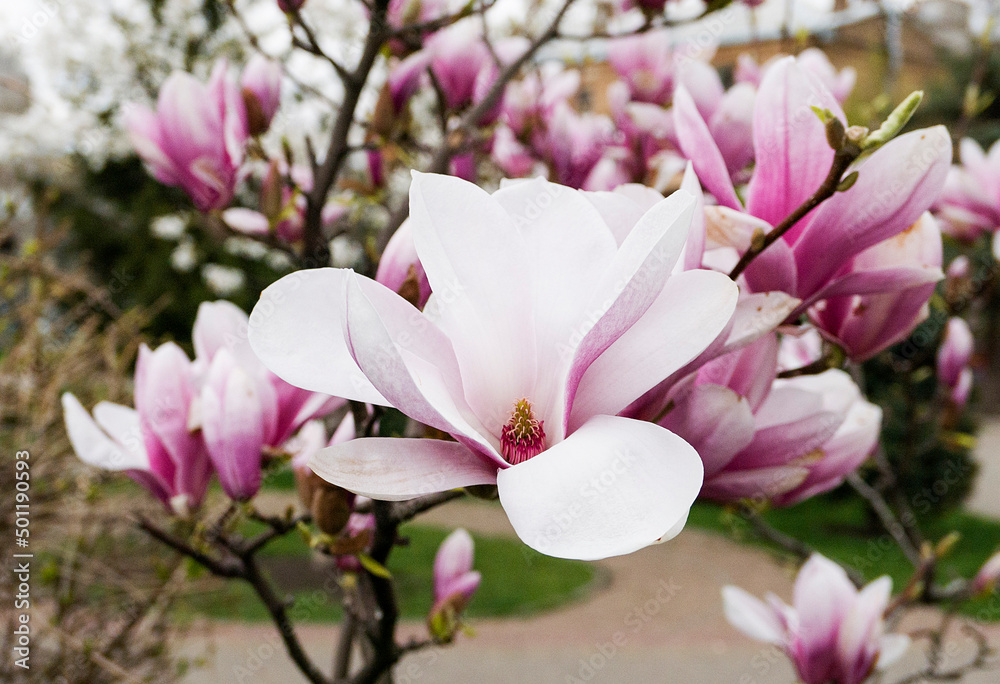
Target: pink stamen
(523,436)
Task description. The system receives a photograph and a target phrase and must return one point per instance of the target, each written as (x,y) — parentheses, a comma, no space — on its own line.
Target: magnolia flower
(898,277)
(988,576)
(894,187)
(400,269)
(195,138)
(454,583)
(261,82)
(646,63)
(552,310)
(832,633)
(970,204)
(243,406)
(153,443)
(785,440)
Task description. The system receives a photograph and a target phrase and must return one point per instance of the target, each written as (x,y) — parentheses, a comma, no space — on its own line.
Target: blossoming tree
(598,315)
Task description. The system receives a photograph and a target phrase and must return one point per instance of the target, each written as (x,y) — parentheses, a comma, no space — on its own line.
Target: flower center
(523,436)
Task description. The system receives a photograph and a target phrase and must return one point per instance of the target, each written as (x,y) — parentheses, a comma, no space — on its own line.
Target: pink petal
(688,314)
(752,616)
(792,153)
(395,469)
(697,145)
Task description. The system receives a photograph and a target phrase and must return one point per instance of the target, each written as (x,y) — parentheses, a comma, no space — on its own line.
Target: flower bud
(454,584)
(988,577)
(955,352)
(261,84)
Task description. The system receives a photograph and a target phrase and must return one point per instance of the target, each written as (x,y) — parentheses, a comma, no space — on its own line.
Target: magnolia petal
(895,186)
(629,287)
(759,483)
(474,258)
(892,648)
(716,421)
(612,487)
(396,469)
(696,143)
(296,330)
(792,153)
(408,360)
(94,446)
(690,312)
(752,616)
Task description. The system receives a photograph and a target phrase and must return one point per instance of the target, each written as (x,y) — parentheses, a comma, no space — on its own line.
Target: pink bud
(400,269)
(289,6)
(454,582)
(261,92)
(238,418)
(955,352)
(988,576)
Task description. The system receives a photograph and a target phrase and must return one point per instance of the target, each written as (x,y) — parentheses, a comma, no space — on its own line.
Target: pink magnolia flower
(454,579)
(955,351)
(785,440)
(153,443)
(243,406)
(895,186)
(195,138)
(531,101)
(550,313)
(988,576)
(831,633)
(970,204)
(646,63)
(400,264)
(261,82)
(574,143)
(897,277)
(456,56)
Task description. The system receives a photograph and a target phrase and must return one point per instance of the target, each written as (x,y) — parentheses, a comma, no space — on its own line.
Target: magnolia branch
(240,562)
(325,172)
(842,159)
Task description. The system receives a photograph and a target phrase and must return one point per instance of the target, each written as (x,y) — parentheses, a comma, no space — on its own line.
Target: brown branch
(842,159)
(407,510)
(796,547)
(887,517)
(325,174)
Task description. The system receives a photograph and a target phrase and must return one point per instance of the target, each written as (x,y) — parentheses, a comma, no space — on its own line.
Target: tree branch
(842,159)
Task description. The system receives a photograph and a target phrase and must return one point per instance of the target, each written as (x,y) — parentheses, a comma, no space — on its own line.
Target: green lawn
(837,528)
(516,581)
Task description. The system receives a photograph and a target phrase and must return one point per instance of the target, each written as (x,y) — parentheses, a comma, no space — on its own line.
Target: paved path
(658,620)
(985,498)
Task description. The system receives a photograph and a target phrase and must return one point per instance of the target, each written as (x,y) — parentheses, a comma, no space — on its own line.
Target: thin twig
(842,159)
(887,517)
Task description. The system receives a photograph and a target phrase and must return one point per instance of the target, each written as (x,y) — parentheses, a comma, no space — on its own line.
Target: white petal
(94,446)
(752,616)
(612,487)
(687,316)
(296,330)
(395,469)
